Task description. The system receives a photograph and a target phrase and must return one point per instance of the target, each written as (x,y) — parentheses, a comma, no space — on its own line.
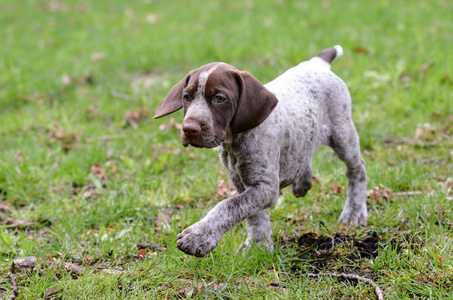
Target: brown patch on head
(209,106)
(222,99)
(255,103)
(222,84)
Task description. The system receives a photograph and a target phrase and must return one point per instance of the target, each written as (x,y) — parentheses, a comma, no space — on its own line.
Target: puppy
(266,136)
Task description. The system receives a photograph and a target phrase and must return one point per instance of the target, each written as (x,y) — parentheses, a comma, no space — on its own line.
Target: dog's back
(311,100)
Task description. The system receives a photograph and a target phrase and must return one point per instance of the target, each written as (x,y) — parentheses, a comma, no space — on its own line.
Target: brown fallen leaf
(97,56)
(113,271)
(153,18)
(315,180)
(34,97)
(19,157)
(87,190)
(98,171)
(128,11)
(66,79)
(426,66)
(133,117)
(16,224)
(216,285)
(225,190)
(171,124)
(380,192)
(86,79)
(361,50)
(73,268)
(194,291)
(56,5)
(49,293)
(181,294)
(325,4)
(446,79)
(144,81)
(80,80)
(26,263)
(111,165)
(141,253)
(4,207)
(65,138)
(337,189)
(92,110)
(425,132)
(447,183)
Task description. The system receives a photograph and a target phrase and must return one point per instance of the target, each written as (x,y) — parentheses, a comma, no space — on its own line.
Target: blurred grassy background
(79,81)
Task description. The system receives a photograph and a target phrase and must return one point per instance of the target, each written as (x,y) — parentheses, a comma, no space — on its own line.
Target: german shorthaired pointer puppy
(266,136)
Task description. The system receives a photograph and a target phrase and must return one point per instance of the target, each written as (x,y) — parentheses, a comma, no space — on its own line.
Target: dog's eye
(219,99)
(186,97)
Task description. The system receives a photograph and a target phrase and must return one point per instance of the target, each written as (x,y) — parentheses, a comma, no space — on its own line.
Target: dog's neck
(228,137)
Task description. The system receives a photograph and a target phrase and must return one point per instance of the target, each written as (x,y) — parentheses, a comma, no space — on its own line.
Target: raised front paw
(198,240)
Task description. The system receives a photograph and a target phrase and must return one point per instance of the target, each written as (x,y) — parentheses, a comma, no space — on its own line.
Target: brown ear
(254,105)
(173,101)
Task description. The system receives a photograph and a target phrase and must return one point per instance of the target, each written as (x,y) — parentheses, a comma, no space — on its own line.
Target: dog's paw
(197,240)
(354,217)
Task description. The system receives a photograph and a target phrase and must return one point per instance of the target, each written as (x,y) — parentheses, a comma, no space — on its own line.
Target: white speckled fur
(314,109)
(203,78)
(199,109)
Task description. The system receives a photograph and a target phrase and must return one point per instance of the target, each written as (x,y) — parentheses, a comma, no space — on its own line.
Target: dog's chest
(282,145)
(229,158)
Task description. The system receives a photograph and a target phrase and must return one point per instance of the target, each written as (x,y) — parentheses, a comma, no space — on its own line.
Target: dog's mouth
(194,145)
(212,143)
(205,139)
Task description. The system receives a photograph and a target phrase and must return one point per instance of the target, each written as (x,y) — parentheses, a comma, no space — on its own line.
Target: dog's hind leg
(346,145)
(259,231)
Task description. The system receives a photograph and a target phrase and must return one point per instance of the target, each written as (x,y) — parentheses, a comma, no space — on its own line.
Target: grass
(90,174)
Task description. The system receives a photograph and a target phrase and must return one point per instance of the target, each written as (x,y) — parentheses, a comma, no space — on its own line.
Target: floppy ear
(254,105)
(173,101)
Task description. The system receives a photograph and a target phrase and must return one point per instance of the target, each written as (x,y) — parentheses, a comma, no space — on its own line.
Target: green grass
(73,71)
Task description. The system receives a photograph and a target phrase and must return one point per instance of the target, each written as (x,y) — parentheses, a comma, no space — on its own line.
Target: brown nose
(191,128)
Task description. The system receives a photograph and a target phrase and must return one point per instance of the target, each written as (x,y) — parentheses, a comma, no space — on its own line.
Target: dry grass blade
(14,286)
(408,193)
(377,289)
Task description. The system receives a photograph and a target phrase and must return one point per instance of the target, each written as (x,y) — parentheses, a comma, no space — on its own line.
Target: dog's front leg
(200,238)
(259,229)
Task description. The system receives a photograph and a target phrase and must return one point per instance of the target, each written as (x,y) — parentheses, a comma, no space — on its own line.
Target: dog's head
(217,99)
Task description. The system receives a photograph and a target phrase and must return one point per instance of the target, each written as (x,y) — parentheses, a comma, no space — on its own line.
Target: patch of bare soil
(321,252)
(338,256)
(344,253)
